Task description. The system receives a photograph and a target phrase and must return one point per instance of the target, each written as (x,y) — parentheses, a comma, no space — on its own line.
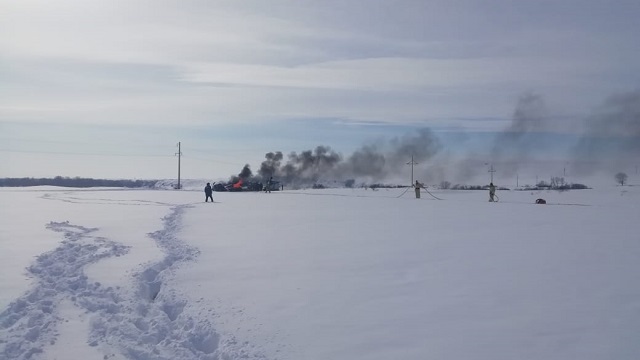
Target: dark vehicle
(218,187)
(239,186)
(273,186)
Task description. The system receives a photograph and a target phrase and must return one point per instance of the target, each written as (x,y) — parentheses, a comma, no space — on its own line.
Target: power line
(84,143)
(79,153)
(210,150)
(75,153)
(213,161)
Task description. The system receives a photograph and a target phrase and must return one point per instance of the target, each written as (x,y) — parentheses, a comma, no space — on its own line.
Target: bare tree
(445,185)
(621,178)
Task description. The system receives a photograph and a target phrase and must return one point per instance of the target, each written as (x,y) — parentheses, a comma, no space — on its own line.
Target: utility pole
(491,170)
(412,163)
(179,153)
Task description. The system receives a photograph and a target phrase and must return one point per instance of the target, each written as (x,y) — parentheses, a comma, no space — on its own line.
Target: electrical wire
(425,189)
(79,153)
(428,192)
(404,192)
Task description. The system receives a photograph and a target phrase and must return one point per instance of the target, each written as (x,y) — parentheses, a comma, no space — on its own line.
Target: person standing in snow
(208,193)
(492,192)
(267,188)
(417,187)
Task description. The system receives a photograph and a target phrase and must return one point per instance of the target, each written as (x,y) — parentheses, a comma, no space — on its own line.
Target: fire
(238,185)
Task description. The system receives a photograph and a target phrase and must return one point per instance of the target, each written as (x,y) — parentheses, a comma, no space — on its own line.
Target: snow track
(139,322)
(29,324)
(154,326)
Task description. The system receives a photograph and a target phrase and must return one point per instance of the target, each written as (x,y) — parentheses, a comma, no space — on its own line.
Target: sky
(109,88)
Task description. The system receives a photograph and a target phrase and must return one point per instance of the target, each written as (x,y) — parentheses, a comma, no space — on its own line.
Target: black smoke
(306,168)
(245,175)
(372,162)
(606,140)
(366,162)
(271,164)
(611,140)
(246,172)
(521,141)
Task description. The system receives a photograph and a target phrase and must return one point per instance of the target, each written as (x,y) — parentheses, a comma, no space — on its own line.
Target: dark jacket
(207,190)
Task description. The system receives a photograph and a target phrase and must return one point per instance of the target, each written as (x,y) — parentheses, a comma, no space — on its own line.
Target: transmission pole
(491,170)
(412,163)
(179,153)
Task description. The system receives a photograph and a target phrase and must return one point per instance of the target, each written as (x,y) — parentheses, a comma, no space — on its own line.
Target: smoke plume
(520,141)
(612,136)
(607,140)
(530,140)
(371,162)
(245,174)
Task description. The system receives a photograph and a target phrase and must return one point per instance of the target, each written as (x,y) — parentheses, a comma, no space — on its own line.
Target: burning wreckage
(246,185)
(245,181)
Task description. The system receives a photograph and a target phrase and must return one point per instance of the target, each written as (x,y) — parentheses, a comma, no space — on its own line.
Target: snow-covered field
(319,274)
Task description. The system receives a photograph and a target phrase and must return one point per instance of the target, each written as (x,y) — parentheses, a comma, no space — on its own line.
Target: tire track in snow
(144,323)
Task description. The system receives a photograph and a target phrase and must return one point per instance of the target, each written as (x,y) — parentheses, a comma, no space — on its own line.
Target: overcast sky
(108,88)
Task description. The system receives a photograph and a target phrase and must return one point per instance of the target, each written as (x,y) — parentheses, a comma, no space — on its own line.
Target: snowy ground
(319,274)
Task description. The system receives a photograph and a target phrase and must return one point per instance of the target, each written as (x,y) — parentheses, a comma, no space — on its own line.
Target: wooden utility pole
(491,170)
(412,163)
(179,153)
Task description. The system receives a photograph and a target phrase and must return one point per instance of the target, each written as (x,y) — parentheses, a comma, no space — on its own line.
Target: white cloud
(228,61)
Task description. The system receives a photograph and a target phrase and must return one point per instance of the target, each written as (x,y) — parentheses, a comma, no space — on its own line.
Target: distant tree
(621,178)
(578,186)
(76,182)
(349,183)
(445,185)
(542,184)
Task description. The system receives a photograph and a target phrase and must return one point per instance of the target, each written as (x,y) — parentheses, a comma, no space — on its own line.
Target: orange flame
(238,185)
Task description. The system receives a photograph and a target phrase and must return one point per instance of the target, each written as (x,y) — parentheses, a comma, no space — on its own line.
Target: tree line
(77,182)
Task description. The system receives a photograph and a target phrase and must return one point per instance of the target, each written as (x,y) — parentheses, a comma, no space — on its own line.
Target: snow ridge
(29,323)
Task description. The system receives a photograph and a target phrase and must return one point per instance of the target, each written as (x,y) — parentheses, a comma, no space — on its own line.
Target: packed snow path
(29,323)
(143,322)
